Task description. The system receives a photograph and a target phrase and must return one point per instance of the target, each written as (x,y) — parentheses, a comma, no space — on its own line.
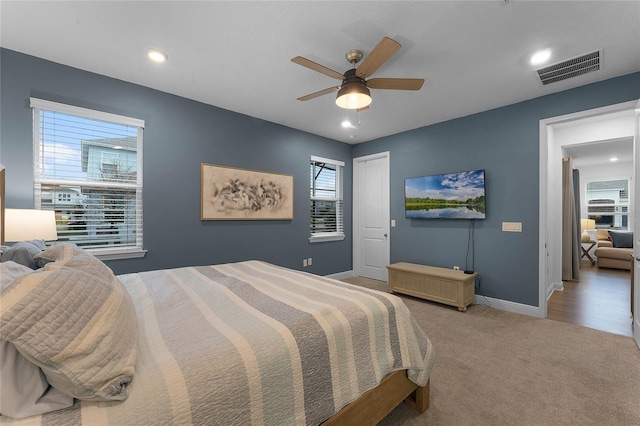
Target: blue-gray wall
(180,134)
(506,143)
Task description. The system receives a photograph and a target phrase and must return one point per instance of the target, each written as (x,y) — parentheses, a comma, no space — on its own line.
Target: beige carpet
(499,368)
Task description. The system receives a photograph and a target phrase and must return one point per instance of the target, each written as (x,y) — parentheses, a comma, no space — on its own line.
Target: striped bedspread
(253,343)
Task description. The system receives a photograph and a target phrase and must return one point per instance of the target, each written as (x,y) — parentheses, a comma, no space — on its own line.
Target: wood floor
(600,300)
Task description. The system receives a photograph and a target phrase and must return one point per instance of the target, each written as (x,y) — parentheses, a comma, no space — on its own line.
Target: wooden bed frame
(376,403)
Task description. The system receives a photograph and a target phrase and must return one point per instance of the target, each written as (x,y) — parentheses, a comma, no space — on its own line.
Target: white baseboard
(554,287)
(506,305)
(341,275)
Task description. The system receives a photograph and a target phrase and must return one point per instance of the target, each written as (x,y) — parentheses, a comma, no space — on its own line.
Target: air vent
(570,68)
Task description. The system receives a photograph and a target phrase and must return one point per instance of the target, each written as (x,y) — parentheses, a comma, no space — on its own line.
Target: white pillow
(74,299)
(11,270)
(24,390)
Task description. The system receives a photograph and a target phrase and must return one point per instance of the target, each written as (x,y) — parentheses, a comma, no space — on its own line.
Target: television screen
(446,196)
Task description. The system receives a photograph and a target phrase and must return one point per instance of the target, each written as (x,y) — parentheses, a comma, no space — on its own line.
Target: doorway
(600,298)
(608,123)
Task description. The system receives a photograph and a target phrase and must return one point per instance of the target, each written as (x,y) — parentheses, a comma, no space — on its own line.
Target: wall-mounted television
(446,196)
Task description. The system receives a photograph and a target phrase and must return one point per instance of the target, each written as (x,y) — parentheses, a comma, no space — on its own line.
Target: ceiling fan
(354,92)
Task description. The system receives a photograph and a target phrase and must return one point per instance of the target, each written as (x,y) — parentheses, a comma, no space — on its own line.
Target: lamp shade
(353,96)
(28,224)
(587,224)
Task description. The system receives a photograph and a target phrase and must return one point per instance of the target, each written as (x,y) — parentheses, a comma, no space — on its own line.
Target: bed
(240,343)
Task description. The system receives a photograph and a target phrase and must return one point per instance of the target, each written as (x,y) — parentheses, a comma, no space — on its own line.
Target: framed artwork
(229,193)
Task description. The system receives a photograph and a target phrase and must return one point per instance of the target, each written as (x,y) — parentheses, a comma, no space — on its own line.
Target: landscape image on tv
(446,196)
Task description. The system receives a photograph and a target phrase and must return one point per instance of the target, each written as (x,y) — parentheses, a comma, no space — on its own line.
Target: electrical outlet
(309,261)
(456,268)
(304,263)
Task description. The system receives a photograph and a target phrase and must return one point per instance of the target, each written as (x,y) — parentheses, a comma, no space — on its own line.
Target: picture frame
(230,193)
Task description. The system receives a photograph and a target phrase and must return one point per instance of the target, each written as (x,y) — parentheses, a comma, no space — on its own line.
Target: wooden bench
(442,285)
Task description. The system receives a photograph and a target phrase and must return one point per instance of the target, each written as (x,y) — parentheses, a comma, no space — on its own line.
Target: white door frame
(549,232)
(356,207)
(636,229)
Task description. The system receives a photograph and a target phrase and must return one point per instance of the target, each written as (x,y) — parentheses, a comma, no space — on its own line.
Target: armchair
(609,256)
(603,239)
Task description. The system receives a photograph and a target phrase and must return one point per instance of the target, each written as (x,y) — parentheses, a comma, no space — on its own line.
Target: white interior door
(636,230)
(371,216)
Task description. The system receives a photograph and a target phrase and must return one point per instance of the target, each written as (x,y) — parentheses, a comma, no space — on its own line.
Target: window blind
(88,169)
(326,177)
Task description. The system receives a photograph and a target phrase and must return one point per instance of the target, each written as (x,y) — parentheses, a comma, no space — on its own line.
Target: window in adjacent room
(88,169)
(326,200)
(608,203)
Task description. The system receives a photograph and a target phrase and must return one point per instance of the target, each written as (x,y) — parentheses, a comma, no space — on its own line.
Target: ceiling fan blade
(317,67)
(320,93)
(378,56)
(395,83)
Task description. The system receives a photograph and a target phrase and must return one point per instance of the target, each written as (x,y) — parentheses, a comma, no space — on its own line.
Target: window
(608,203)
(326,200)
(88,169)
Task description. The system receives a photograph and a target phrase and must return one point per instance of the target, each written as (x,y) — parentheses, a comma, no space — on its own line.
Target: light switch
(393,223)
(512,226)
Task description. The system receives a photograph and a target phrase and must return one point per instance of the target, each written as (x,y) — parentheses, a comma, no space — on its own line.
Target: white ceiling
(236,55)
(600,153)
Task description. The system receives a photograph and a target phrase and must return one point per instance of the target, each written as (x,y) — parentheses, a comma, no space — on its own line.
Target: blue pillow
(23,252)
(621,239)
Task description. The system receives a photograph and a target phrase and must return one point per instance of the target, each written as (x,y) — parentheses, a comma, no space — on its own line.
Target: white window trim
(84,112)
(326,236)
(327,160)
(37,104)
(329,236)
(118,253)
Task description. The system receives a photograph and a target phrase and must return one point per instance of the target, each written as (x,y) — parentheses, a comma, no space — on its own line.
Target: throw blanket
(252,343)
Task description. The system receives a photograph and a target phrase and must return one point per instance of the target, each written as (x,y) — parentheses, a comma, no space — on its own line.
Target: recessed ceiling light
(156,55)
(540,57)
(346,124)
(613,159)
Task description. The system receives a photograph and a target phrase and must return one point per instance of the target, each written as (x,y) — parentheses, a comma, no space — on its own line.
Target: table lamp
(29,224)
(587,224)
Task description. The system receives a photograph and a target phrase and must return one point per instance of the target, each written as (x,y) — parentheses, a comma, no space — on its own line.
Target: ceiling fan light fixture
(353,96)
